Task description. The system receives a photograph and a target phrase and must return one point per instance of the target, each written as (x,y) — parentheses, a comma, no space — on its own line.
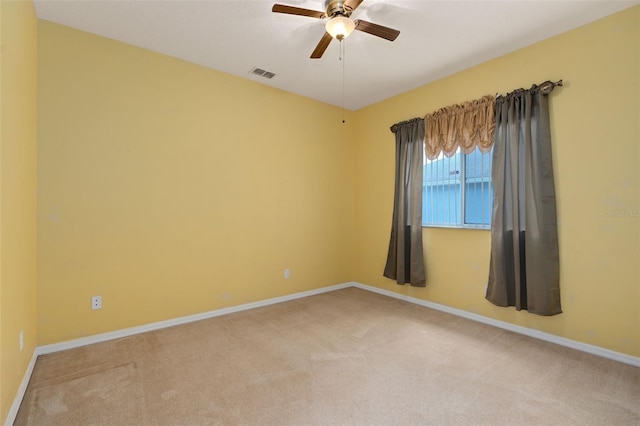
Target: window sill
(476,228)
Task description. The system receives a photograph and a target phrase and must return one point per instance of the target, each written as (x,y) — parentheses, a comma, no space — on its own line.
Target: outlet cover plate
(96,302)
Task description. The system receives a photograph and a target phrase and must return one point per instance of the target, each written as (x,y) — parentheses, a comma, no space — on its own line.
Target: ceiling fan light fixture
(340,27)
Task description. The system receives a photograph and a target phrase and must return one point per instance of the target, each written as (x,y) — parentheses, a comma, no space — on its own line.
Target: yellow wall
(18,27)
(596,134)
(170,189)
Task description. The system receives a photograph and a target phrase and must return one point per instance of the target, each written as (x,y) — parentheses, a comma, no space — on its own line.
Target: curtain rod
(544,88)
(394,128)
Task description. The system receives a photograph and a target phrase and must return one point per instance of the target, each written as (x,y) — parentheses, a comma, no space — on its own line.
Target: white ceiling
(437,38)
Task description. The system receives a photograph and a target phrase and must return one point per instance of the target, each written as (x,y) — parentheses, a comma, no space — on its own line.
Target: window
(457,191)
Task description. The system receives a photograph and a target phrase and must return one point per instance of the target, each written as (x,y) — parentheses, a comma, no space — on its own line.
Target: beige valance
(468,125)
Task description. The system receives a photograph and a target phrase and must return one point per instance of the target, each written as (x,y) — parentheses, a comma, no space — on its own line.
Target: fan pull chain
(342,51)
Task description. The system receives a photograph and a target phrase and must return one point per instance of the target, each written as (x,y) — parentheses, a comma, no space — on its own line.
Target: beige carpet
(348,357)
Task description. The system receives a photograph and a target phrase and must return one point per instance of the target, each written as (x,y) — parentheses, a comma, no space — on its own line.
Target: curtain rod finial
(548,86)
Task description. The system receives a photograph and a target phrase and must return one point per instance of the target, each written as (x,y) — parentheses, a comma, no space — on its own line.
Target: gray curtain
(405,259)
(524,268)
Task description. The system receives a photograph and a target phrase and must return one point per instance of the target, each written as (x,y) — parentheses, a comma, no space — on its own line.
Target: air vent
(262,73)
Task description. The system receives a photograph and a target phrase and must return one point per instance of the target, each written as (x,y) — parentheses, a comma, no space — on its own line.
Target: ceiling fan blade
(292,10)
(377,30)
(322,46)
(352,5)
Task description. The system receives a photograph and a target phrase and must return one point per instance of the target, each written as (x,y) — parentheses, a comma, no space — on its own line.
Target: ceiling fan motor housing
(337,8)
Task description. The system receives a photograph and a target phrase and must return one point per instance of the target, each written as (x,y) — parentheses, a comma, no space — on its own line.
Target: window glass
(457,191)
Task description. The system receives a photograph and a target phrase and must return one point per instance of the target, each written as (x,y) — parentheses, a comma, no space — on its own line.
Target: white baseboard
(103,337)
(562,341)
(595,350)
(56,347)
(13,411)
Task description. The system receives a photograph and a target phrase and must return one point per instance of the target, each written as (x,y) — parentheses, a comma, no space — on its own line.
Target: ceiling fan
(340,25)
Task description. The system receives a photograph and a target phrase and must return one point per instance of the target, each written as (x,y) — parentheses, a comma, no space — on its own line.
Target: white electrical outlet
(286,273)
(21,340)
(96,302)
